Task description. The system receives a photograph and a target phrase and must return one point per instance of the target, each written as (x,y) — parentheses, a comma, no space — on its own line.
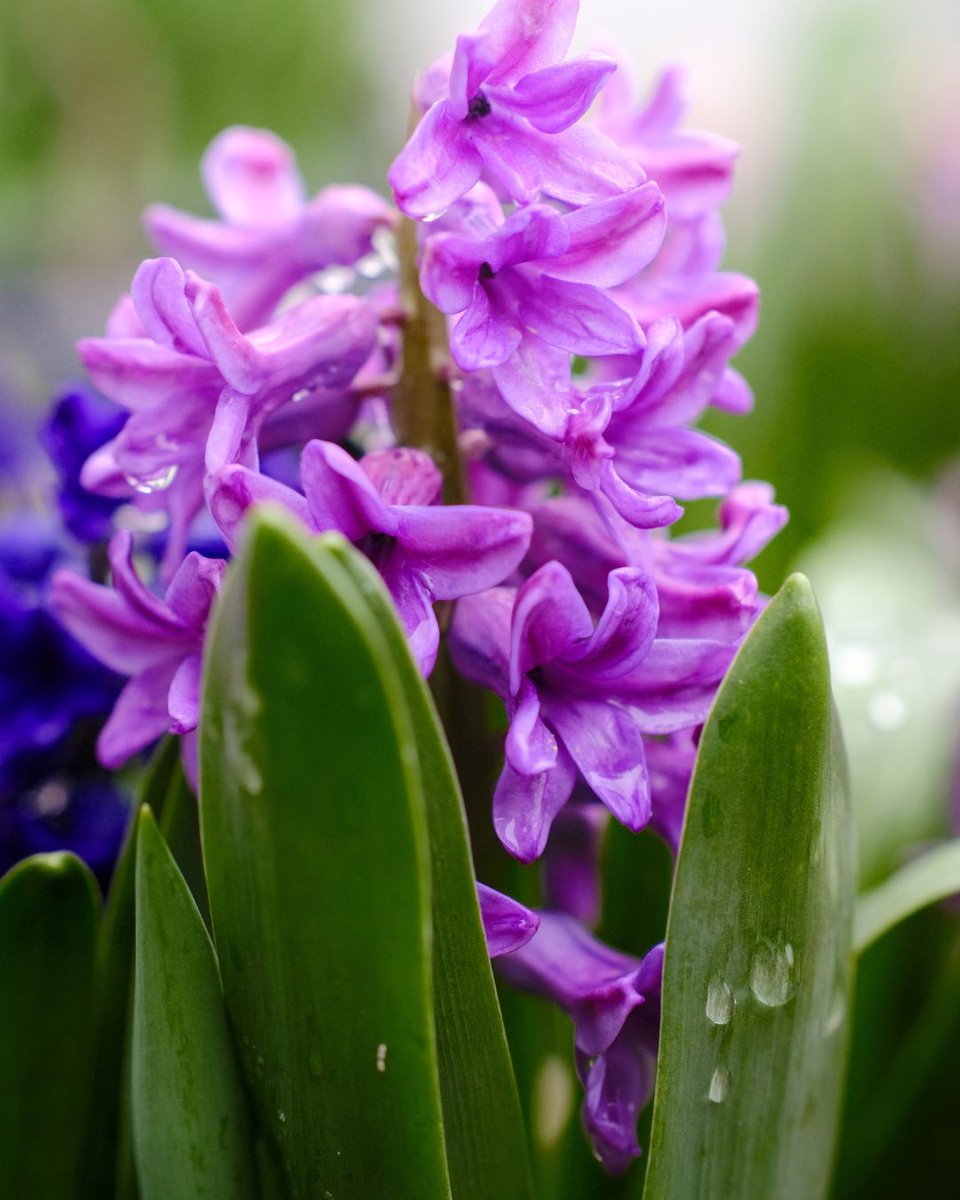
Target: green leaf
(315,851)
(758,972)
(483,1125)
(933,876)
(49,909)
(190,1125)
(108,1155)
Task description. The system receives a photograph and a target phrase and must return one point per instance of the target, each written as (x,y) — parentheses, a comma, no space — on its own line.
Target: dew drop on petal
(770,973)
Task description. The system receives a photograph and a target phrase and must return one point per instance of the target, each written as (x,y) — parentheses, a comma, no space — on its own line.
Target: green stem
(422,405)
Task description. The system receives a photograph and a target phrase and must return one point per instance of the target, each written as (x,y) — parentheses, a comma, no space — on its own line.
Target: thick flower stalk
(572,325)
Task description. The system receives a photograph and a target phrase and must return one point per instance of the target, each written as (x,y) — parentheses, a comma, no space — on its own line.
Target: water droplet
(260,1060)
(431,217)
(770,971)
(300,396)
(282,1115)
(382,1057)
(553,1101)
(155,483)
(720,1001)
(886,711)
(719,1085)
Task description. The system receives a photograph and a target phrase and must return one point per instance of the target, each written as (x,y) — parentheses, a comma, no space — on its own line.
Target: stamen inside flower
(478,107)
(486,271)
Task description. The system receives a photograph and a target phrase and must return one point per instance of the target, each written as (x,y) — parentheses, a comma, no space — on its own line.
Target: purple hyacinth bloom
(386,504)
(80,422)
(614,1002)
(580,697)
(198,389)
(507,112)
(270,235)
(693,169)
(157,643)
(536,279)
(507,924)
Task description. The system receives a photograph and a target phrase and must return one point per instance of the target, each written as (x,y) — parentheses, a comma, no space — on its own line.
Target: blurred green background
(849,216)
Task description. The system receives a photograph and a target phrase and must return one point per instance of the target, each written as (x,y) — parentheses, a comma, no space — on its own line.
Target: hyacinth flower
(536,280)
(270,236)
(614,1002)
(505,110)
(580,697)
(507,924)
(157,643)
(386,504)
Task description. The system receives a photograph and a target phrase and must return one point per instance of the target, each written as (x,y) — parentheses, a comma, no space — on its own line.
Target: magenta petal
(626,629)
(576,317)
(526,35)
(530,746)
(231,422)
(183,697)
(535,382)
(235,489)
(437,165)
(507,924)
(158,292)
(235,357)
(251,177)
(641,510)
(414,604)
(553,98)
(460,549)
(339,494)
(549,617)
(194,588)
(605,742)
(611,240)
(139,374)
(101,621)
(139,716)
(686,462)
(581,164)
(536,231)
(448,271)
(127,583)
(524,807)
(480,638)
(483,336)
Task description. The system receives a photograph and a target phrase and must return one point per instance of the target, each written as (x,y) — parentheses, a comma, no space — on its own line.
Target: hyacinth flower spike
(386,505)
(270,235)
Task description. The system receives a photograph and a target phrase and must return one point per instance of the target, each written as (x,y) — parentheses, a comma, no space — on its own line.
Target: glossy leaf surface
(483,1125)
(759,964)
(190,1124)
(315,851)
(49,909)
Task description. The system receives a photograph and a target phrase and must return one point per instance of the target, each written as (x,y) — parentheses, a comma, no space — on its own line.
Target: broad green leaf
(483,1125)
(49,909)
(933,876)
(758,972)
(190,1124)
(315,851)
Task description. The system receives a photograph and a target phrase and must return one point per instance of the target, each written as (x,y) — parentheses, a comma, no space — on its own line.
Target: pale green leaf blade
(932,877)
(483,1124)
(759,963)
(318,877)
(49,911)
(191,1128)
